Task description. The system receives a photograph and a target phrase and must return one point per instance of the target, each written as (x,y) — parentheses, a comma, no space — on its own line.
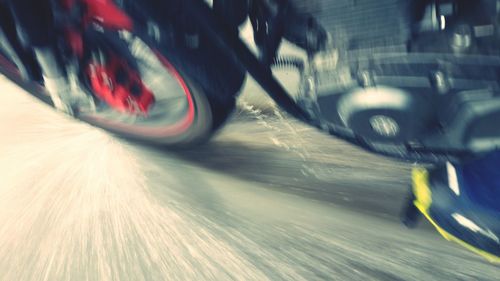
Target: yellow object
(423,201)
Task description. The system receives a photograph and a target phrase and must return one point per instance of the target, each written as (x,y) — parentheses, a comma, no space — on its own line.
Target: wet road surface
(267,199)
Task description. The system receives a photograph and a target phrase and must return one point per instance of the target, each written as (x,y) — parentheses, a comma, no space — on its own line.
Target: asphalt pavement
(267,199)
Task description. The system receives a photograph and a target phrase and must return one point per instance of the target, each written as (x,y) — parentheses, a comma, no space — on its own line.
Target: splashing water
(285,134)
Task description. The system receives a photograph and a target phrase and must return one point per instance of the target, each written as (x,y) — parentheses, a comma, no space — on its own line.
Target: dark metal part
(471,120)
(225,39)
(382,113)
(12,47)
(461,40)
(268,19)
(410,215)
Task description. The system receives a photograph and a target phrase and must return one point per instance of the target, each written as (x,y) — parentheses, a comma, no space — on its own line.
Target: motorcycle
(419,85)
(131,75)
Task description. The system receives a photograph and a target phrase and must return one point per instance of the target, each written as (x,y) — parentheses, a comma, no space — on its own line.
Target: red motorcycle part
(120,87)
(67,4)
(75,41)
(105,12)
(108,14)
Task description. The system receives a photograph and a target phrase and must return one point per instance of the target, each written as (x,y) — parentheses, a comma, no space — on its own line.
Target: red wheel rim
(174,129)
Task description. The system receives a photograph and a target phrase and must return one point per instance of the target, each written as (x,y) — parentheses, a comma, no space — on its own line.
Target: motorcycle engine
(412,79)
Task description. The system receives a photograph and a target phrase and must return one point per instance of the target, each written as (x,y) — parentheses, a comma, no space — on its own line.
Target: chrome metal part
(384,126)
(461,40)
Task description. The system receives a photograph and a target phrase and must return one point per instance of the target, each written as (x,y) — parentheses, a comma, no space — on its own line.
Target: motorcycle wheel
(194,90)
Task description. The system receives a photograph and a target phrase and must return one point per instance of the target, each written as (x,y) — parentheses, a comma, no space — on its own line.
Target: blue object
(481,181)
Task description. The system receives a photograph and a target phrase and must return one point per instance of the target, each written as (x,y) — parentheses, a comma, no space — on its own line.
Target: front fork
(64,21)
(62,83)
(33,29)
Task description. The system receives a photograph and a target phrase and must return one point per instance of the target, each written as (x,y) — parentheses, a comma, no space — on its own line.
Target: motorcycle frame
(221,35)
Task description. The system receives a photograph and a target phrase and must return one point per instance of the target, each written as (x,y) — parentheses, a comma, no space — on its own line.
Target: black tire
(213,80)
(211,77)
